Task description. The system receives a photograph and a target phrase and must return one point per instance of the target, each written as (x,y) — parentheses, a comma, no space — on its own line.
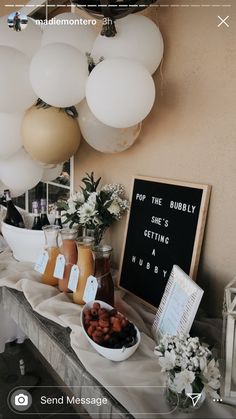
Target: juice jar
(69,250)
(105,291)
(85,263)
(51,245)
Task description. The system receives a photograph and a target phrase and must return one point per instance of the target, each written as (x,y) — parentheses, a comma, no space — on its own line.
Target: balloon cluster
(112,99)
(17,169)
(111,10)
(117,9)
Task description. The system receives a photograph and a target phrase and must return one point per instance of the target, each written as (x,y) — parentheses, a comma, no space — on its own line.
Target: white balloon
(14,192)
(138,38)
(10,133)
(20,172)
(58,74)
(16,93)
(27,41)
(77,35)
(47,165)
(2,187)
(119,92)
(52,173)
(102,137)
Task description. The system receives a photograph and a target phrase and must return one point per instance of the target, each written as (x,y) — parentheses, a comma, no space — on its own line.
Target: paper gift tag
(59,267)
(74,278)
(90,290)
(41,262)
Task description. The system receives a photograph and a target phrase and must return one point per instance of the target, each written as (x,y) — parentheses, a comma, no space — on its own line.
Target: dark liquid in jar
(105,290)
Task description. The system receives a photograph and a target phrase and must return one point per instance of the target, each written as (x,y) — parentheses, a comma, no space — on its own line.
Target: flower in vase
(167,362)
(202,363)
(86,212)
(93,209)
(71,206)
(78,197)
(211,375)
(183,381)
(189,365)
(114,208)
(92,199)
(211,371)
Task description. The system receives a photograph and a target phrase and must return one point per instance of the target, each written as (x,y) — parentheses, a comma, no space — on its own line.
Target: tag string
(97,277)
(102,276)
(70,264)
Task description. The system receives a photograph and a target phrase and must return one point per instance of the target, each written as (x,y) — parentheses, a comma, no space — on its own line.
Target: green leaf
(69,110)
(62,205)
(97,183)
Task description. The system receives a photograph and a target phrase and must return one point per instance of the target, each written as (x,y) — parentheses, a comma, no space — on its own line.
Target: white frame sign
(178,306)
(230,339)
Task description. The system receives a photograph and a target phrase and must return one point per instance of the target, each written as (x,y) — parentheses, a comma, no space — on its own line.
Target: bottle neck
(35,204)
(7,195)
(102,251)
(51,238)
(43,211)
(102,258)
(36,212)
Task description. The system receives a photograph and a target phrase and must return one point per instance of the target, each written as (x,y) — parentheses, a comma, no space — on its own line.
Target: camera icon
(21,400)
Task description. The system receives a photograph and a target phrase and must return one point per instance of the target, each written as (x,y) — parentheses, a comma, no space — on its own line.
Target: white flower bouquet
(95,210)
(190,367)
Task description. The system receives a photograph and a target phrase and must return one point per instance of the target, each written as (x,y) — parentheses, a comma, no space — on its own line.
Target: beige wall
(189,135)
(7,10)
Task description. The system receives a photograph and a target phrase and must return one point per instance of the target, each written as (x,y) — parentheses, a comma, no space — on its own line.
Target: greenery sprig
(70,110)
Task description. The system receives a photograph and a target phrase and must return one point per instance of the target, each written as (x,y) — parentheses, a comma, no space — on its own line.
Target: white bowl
(109,353)
(25,244)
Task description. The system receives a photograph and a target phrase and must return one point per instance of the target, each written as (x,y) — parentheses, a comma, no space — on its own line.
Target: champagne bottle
(44,217)
(3,201)
(37,225)
(57,221)
(13,217)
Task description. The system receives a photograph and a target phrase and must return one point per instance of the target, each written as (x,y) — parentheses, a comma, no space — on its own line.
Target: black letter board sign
(165,228)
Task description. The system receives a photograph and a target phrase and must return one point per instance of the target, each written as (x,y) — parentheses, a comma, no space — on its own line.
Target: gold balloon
(50,135)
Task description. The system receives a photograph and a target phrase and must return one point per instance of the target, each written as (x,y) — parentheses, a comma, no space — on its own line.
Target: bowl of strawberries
(109,331)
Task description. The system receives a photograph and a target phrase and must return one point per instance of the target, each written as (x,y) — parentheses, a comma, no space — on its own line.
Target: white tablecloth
(141,369)
(9,331)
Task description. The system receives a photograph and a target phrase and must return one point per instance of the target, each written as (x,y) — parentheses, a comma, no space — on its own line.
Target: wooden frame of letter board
(199,230)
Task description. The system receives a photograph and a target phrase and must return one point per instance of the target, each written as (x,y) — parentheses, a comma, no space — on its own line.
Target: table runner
(142,369)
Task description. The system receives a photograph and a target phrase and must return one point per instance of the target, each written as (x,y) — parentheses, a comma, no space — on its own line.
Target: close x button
(223,21)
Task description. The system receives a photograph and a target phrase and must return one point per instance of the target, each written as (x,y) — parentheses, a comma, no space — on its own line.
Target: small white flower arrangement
(93,209)
(189,365)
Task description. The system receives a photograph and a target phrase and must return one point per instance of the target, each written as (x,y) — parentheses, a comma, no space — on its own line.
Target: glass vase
(182,401)
(52,247)
(102,257)
(97,233)
(69,250)
(85,263)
